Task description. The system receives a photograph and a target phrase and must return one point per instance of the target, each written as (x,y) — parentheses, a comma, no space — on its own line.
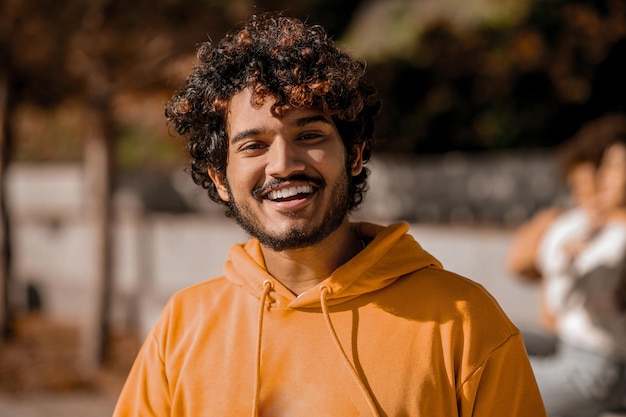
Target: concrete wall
(157,253)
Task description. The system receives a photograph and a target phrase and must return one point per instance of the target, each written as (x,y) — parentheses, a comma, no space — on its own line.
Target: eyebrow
(300,122)
(303,121)
(245,134)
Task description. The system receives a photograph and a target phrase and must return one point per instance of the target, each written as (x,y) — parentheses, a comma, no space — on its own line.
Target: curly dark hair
(297,65)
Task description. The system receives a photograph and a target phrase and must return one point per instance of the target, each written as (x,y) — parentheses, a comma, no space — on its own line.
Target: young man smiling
(315,315)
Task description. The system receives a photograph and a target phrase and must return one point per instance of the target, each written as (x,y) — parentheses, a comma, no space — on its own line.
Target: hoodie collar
(390,254)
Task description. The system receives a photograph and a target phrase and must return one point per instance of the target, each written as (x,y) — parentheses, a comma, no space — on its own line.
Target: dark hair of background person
(591,140)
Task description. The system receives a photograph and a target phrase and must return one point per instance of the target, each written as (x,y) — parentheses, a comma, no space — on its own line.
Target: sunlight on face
(612,177)
(581,180)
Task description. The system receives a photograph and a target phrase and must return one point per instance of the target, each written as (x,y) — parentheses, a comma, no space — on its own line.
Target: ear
(220,184)
(356,165)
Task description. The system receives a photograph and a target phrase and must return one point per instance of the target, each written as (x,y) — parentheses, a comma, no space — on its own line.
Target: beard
(297,237)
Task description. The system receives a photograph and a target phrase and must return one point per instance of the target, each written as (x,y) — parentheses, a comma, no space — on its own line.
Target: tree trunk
(6,317)
(98,170)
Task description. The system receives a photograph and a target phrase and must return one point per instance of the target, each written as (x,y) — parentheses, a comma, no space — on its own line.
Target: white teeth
(290,192)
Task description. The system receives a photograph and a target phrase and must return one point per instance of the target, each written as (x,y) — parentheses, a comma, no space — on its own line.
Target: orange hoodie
(389,333)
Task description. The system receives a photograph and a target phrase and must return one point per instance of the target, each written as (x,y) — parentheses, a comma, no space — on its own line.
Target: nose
(284,159)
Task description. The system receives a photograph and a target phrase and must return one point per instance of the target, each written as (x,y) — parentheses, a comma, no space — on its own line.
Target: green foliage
(485,75)
(531,84)
(85,50)
(148,148)
(48,135)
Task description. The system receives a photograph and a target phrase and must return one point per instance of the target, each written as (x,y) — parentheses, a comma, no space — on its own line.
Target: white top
(580,290)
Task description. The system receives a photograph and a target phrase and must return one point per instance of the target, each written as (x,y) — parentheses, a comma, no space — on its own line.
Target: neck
(301,269)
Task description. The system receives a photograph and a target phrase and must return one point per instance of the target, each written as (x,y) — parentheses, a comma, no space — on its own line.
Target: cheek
(318,158)
(327,160)
(616,176)
(243,175)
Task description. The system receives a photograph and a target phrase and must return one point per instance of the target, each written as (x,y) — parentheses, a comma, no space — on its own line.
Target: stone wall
(462,208)
(501,189)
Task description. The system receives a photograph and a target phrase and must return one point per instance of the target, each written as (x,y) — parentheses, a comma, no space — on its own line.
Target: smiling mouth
(290,193)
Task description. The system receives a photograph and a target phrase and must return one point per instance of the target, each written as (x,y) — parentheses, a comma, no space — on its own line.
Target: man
(315,315)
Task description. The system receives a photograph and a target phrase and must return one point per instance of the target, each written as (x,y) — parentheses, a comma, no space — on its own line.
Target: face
(287,178)
(581,179)
(612,177)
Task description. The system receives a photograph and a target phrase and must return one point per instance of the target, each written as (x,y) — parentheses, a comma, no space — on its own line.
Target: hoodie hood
(390,254)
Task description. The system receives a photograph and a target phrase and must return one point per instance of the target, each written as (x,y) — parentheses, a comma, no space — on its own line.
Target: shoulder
(568,221)
(197,305)
(572,224)
(201,292)
(193,302)
(460,313)
(443,295)
(608,247)
(450,284)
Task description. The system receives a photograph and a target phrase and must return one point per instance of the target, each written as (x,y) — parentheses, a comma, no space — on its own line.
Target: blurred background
(100,224)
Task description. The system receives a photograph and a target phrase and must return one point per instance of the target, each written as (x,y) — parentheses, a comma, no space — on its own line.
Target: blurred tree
(92,55)
(496,80)
(89,52)
(5,226)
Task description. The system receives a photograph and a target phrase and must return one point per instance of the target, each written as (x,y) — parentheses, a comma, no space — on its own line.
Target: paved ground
(97,400)
(40,377)
(73,403)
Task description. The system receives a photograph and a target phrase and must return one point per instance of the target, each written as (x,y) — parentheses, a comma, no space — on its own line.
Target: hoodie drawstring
(324,291)
(267,287)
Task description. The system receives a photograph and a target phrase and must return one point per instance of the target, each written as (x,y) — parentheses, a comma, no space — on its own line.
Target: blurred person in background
(315,315)
(582,259)
(578,159)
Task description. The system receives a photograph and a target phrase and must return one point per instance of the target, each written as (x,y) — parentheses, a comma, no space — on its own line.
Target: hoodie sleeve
(146,391)
(503,385)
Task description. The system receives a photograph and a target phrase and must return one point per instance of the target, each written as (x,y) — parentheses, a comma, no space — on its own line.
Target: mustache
(277,182)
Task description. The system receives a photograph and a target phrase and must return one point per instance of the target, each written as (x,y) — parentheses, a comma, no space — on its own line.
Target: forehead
(243,106)
(247,112)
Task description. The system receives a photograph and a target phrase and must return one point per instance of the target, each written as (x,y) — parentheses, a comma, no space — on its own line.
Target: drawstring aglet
(267,287)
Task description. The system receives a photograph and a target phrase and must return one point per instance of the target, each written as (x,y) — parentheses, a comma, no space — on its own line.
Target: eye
(311,136)
(252,147)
